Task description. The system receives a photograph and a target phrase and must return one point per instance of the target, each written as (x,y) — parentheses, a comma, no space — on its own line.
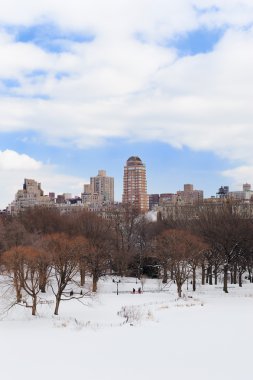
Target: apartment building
(135,184)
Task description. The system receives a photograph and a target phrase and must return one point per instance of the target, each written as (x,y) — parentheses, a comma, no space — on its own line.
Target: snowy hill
(205,335)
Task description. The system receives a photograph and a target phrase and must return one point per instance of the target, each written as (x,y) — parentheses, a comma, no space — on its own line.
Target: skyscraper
(135,184)
(103,186)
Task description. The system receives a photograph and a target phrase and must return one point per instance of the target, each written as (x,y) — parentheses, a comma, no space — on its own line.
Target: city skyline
(98,196)
(84,86)
(77,190)
(100,192)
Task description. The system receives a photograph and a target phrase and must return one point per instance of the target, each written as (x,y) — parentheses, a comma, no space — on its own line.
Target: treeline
(41,248)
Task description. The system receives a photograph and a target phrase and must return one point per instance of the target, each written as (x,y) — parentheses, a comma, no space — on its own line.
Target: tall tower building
(103,186)
(135,184)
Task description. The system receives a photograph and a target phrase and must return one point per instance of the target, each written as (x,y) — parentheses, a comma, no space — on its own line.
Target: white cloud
(14,167)
(120,86)
(157,19)
(239,176)
(11,160)
(236,13)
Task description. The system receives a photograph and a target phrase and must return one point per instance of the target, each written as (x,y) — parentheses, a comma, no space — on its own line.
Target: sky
(86,84)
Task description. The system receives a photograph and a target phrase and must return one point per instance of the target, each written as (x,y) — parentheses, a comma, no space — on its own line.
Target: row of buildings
(98,195)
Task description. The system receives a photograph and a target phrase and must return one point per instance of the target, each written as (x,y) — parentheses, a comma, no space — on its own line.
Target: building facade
(190,196)
(135,184)
(153,201)
(31,195)
(103,186)
(99,192)
(246,194)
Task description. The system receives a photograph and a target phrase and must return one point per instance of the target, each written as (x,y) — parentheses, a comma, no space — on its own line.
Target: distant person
(133,290)
(139,290)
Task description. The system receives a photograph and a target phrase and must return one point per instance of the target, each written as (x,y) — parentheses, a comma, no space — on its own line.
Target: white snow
(206,335)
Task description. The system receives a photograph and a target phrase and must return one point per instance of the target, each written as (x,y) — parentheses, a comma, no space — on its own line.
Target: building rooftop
(134,160)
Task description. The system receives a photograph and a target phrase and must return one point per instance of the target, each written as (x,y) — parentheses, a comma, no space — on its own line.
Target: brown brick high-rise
(135,184)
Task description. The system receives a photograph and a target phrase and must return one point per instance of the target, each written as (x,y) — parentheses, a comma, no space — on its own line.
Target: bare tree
(179,251)
(226,231)
(123,222)
(98,252)
(64,253)
(42,220)
(162,247)
(143,252)
(12,262)
(195,251)
(23,268)
(180,256)
(14,233)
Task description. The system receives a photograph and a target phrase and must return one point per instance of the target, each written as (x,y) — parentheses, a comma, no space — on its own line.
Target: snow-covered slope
(205,336)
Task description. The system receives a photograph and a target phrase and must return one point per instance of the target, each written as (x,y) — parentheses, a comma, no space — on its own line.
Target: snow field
(206,335)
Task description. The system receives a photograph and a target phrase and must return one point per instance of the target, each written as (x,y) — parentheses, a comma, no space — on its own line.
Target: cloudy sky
(84,84)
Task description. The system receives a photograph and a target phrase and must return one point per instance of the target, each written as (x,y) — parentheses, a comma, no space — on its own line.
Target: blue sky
(202,40)
(168,168)
(83,87)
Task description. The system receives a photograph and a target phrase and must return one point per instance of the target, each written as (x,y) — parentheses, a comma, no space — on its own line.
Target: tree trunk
(172,273)
(210,275)
(249,275)
(94,283)
(57,304)
(43,284)
(215,275)
(235,274)
(82,276)
(203,274)
(165,274)
(225,279)
(240,279)
(18,289)
(207,275)
(43,281)
(194,279)
(34,305)
(179,290)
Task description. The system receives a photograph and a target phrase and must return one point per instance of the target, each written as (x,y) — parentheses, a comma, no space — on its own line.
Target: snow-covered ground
(207,335)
